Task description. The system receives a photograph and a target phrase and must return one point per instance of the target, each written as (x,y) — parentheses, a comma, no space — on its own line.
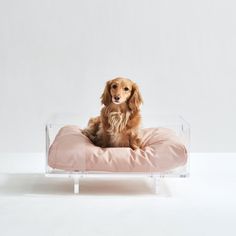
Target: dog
(119,122)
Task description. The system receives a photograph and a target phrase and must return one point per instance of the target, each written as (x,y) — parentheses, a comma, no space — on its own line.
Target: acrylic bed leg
(76,184)
(156,184)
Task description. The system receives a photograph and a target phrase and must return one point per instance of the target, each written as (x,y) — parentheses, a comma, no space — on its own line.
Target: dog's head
(121,90)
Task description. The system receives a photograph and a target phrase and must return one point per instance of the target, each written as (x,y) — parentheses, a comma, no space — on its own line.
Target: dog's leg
(134,141)
(92,128)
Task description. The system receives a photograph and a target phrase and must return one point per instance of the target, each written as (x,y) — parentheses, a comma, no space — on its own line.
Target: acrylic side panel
(173,122)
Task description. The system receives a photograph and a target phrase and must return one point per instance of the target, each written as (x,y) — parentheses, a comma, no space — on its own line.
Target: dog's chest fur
(118,122)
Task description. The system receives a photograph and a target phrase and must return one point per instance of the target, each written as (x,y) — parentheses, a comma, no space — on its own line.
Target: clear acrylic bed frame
(174,122)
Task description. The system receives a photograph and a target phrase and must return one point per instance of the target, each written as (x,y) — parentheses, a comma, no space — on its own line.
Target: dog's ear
(136,99)
(106,96)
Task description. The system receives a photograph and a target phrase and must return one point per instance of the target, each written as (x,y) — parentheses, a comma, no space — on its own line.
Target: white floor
(204,204)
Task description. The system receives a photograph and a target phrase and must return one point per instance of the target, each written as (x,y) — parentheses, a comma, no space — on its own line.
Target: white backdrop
(55,56)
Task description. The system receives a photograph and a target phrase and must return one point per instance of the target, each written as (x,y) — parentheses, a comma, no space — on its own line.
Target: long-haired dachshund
(119,120)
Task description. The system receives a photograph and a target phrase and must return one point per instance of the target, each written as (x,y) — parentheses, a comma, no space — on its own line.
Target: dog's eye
(114,86)
(126,89)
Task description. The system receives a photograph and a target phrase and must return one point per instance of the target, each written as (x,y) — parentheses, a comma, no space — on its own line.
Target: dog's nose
(117,98)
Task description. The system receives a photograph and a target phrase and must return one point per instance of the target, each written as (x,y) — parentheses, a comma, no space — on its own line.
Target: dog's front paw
(134,147)
(86,133)
(135,144)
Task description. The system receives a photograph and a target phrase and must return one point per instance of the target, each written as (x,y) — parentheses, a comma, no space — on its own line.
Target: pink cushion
(72,151)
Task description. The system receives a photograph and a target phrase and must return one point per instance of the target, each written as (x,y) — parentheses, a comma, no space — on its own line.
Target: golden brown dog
(119,120)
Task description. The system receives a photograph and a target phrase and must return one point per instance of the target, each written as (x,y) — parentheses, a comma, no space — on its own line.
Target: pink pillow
(72,151)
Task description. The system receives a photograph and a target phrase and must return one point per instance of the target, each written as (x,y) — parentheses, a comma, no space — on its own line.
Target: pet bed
(164,152)
(161,151)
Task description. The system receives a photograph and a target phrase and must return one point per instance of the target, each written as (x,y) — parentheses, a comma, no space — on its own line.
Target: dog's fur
(120,119)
